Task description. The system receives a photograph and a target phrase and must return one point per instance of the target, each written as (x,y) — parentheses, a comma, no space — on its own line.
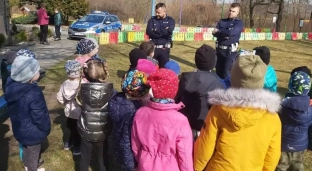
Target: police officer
(159,29)
(227,32)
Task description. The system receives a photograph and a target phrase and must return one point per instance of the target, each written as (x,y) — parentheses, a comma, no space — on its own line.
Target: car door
(109,27)
(116,23)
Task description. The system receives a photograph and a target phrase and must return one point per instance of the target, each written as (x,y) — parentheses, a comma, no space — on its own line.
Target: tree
(252,5)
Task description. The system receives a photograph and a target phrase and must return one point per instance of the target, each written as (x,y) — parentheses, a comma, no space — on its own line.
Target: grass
(285,55)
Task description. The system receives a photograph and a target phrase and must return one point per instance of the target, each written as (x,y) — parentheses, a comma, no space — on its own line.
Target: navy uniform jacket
(161,35)
(229,31)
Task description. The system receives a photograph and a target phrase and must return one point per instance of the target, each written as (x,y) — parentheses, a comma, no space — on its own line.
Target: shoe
(67,146)
(76,151)
(57,39)
(41,169)
(46,43)
(41,42)
(40,162)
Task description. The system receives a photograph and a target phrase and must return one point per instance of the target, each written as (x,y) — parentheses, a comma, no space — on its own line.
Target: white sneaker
(41,169)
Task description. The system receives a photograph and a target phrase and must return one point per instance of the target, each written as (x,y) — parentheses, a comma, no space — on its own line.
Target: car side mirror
(107,22)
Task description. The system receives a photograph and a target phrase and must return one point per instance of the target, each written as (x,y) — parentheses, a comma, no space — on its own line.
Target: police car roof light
(99,12)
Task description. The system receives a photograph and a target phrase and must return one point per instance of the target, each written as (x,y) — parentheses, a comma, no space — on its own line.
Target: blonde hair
(95,70)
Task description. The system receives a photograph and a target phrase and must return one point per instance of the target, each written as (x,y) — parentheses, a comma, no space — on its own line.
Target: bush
(21,36)
(2,40)
(50,33)
(28,19)
(14,28)
(35,29)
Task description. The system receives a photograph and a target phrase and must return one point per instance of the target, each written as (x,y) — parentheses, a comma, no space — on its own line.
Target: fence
(134,34)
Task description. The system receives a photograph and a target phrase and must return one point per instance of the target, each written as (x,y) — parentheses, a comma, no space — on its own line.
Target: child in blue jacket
(270,80)
(296,118)
(27,109)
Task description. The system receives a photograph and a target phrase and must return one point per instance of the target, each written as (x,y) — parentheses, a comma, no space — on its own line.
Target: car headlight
(93,28)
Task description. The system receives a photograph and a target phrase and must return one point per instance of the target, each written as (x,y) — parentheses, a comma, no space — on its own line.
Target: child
(149,49)
(87,49)
(6,65)
(93,124)
(146,66)
(194,86)
(270,81)
(66,96)
(121,109)
(296,119)
(134,56)
(27,109)
(161,137)
(307,71)
(242,130)
(174,66)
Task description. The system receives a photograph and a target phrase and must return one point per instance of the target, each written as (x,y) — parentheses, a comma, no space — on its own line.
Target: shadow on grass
(178,59)
(4,147)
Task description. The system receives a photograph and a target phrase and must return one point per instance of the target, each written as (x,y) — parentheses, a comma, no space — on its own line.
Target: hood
(119,107)
(296,109)
(242,108)
(205,81)
(69,89)
(84,25)
(163,107)
(15,90)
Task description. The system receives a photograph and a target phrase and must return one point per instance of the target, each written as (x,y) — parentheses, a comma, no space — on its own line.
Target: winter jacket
(66,96)
(28,112)
(5,73)
(161,138)
(43,18)
(242,132)
(93,123)
(193,89)
(270,80)
(296,119)
(121,112)
(58,19)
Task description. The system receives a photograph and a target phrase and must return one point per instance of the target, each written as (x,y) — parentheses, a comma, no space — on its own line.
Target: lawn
(285,55)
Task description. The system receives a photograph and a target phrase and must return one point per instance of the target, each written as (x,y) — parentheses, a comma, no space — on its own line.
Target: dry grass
(285,55)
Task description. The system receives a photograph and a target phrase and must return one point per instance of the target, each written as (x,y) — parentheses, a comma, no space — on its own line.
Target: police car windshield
(93,18)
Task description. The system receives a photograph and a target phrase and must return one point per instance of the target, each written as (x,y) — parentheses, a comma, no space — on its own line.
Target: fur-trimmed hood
(258,99)
(243,108)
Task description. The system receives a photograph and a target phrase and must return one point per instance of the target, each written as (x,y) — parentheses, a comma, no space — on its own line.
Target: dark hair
(304,69)
(96,70)
(234,5)
(42,5)
(147,47)
(160,5)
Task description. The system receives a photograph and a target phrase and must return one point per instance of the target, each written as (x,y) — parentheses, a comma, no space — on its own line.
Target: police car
(96,22)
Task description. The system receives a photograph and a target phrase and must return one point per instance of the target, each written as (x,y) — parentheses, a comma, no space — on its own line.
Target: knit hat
(72,68)
(205,58)
(135,84)
(86,46)
(24,69)
(146,66)
(135,55)
(25,52)
(264,53)
(248,72)
(304,69)
(299,83)
(174,66)
(10,56)
(164,83)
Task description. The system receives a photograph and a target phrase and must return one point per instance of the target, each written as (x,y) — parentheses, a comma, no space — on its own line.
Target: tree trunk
(251,19)
(279,15)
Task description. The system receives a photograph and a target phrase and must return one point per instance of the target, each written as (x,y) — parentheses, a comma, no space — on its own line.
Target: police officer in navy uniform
(228,33)
(159,29)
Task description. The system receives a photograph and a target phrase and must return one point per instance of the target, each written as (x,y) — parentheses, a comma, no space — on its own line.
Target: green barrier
(253,30)
(268,36)
(189,36)
(288,36)
(254,36)
(198,30)
(92,35)
(139,36)
(242,37)
(122,37)
(128,27)
(305,36)
(268,30)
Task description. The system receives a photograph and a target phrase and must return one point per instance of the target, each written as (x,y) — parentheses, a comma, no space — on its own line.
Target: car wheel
(102,31)
(119,29)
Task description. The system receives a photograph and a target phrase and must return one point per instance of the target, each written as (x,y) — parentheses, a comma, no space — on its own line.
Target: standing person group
(43,22)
